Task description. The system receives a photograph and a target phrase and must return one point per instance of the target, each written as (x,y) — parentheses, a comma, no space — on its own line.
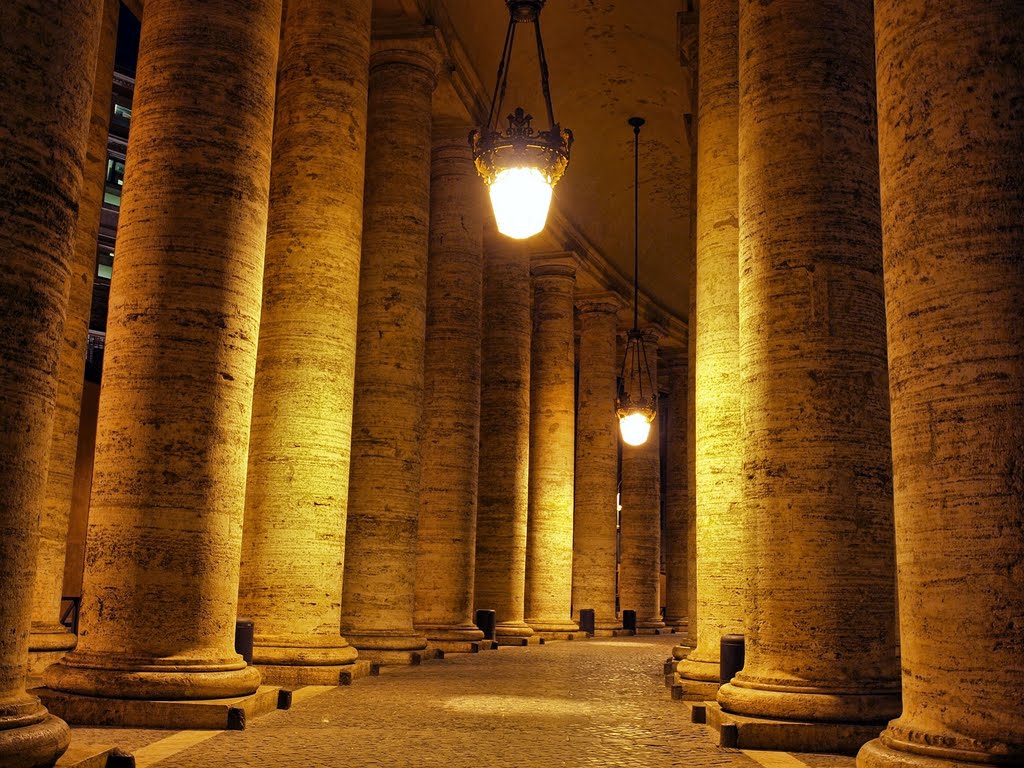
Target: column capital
(606,302)
(562,264)
(411,46)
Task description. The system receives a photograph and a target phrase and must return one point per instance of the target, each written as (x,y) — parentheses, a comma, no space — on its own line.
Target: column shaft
(594,556)
(165,524)
(446,540)
(552,437)
(677,524)
(384,485)
(951,141)
(294,532)
(47,66)
(499,580)
(50,640)
(640,526)
(820,641)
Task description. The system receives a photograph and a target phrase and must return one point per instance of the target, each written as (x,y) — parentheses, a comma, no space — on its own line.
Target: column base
(749,696)
(696,680)
(48,644)
(740,732)
(678,626)
(302,651)
(617,632)
(681,651)
(555,630)
(295,676)
(890,751)
(227,714)
(30,737)
(460,638)
(517,641)
(385,658)
(553,635)
(653,631)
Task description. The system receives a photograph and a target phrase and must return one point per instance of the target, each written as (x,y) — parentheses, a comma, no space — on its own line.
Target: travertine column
(951,143)
(594,517)
(50,640)
(165,527)
(552,436)
(446,541)
(640,522)
(384,486)
(294,532)
(499,580)
(690,640)
(820,640)
(718,470)
(677,524)
(47,65)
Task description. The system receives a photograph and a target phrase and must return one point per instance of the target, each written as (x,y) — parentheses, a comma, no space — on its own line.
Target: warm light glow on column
(635,427)
(521,198)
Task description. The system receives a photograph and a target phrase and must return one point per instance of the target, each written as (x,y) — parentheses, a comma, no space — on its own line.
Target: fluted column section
(294,534)
(820,643)
(50,640)
(446,541)
(640,526)
(499,580)
(165,528)
(951,143)
(47,65)
(384,486)
(594,556)
(552,436)
(677,524)
(718,460)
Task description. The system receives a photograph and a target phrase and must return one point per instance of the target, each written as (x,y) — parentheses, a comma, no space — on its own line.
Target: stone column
(951,143)
(718,469)
(594,552)
(384,486)
(47,65)
(50,639)
(640,522)
(446,542)
(165,528)
(820,640)
(499,581)
(294,534)
(677,524)
(552,437)
(690,640)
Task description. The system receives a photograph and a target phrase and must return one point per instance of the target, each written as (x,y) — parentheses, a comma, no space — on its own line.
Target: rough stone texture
(640,519)
(820,640)
(690,640)
(297,489)
(47,65)
(677,524)
(50,640)
(384,485)
(165,528)
(951,140)
(446,540)
(718,474)
(594,541)
(552,437)
(499,580)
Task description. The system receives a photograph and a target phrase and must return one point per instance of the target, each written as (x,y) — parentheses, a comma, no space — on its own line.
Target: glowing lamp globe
(635,427)
(521,198)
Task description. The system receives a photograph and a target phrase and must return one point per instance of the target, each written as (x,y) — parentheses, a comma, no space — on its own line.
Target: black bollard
(587,621)
(629,621)
(244,635)
(732,653)
(486,621)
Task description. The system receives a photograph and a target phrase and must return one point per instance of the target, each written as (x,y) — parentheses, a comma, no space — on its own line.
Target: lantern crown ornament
(637,403)
(520,164)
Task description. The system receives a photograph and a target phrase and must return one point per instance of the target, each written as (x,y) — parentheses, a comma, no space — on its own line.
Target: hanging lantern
(637,404)
(521,165)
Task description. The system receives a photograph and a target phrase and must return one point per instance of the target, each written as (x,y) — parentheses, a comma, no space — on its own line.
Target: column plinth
(552,436)
(165,524)
(384,478)
(677,524)
(595,494)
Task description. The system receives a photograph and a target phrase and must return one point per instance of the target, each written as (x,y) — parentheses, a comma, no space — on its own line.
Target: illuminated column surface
(720,578)
(640,521)
(951,143)
(677,526)
(50,640)
(384,485)
(446,540)
(499,580)
(44,121)
(165,527)
(820,640)
(294,532)
(552,435)
(595,518)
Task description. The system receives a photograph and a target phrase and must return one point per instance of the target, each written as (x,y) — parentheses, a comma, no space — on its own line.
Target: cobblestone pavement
(573,704)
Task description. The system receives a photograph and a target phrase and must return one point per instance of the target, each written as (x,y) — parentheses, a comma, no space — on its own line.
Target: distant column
(446,539)
(594,556)
(677,525)
(44,121)
(384,486)
(640,526)
(294,534)
(552,436)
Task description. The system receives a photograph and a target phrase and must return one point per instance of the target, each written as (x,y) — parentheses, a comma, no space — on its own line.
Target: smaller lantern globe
(521,198)
(635,426)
